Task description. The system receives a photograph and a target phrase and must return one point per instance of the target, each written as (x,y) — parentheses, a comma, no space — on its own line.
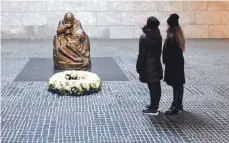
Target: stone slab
(170,6)
(41,69)
(218,5)
(202,17)
(121,32)
(195,5)
(109,18)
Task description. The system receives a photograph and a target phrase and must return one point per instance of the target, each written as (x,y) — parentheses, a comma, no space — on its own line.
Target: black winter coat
(149,64)
(174,62)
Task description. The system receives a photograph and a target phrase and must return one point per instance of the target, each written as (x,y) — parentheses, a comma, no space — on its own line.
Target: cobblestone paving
(30,114)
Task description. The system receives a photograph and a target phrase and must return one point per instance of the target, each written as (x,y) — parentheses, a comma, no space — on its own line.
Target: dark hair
(152,22)
(173,20)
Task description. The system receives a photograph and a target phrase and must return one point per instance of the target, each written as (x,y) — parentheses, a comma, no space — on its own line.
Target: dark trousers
(155,94)
(178,91)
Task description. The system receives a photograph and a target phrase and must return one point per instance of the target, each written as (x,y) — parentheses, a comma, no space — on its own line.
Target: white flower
(76,83)
(85,84)
(58,86)
(52,81)
(93,85)
(67,87)
(97,84)
(81,75)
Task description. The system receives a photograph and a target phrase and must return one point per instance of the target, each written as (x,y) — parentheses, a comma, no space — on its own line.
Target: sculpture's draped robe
(71,48)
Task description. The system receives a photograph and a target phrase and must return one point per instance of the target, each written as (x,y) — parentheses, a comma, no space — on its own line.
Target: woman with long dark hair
(173,59)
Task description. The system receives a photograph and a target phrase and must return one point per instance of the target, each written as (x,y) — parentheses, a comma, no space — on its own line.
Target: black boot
(174,109)
(172,112)
(180,100)
(173,103)
(181,92)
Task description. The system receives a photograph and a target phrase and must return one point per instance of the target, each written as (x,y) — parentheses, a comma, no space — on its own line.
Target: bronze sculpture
(71,45)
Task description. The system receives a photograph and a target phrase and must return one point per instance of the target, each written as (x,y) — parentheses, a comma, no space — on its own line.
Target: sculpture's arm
(84,35)
(86,46)
(80,25)
(86,52)
(56,43)
(74,30)
(61,28)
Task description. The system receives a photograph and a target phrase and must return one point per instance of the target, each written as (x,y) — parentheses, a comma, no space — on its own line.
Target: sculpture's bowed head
(69,18)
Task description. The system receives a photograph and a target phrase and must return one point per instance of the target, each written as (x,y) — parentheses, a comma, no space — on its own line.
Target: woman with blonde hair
(173,59)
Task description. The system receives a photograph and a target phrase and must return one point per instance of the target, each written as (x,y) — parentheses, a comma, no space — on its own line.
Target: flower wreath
(74,83)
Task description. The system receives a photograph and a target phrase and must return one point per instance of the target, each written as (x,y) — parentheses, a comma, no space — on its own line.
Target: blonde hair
(178,35)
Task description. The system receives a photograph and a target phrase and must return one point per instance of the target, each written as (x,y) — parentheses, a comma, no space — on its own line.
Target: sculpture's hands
(79,59)
(85,53)
(68,25)
(75,42)
(63,28)
(85,62)
(56,50)
(60,48)
(83,36)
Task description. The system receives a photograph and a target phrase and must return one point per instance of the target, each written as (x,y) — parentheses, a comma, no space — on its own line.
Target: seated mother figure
(71,45)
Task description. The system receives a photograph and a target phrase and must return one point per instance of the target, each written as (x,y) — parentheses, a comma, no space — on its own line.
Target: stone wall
(112,19)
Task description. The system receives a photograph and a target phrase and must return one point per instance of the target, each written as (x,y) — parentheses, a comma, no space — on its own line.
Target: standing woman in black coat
(173,59)
(149,64)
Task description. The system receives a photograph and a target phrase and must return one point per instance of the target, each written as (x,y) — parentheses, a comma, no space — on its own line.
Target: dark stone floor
(29,113)
(43,69)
